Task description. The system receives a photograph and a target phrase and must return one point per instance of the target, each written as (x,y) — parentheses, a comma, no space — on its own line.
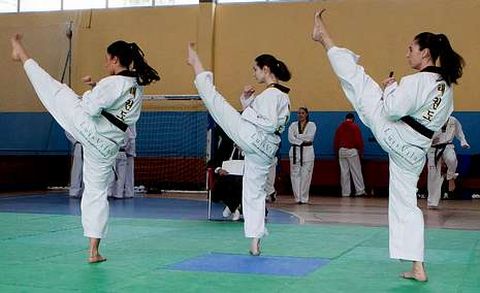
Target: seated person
(227,188)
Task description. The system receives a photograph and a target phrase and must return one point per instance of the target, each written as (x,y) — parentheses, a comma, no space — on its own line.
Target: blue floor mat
(245,264)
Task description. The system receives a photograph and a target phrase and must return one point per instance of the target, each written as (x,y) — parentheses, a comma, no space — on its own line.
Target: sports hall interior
(162,240)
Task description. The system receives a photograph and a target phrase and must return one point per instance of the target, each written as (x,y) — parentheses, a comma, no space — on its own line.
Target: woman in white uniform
(301,134)
(403,118)
(443,151)
(256,131)
(98,120)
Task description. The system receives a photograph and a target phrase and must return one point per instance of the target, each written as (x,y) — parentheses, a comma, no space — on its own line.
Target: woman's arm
(309,134)
(400,99)
(103,95)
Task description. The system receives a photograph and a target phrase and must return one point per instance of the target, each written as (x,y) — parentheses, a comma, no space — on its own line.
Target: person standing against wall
(443,151)
(348,145)
(301,134)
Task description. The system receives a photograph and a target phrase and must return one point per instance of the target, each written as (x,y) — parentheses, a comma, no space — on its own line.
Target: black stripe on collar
(280,87)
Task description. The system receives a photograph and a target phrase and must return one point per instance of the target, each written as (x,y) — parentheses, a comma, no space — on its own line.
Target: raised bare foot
(320,33)
(17,48)
(96,258)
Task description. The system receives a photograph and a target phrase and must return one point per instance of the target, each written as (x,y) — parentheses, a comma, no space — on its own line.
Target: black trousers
(228,189)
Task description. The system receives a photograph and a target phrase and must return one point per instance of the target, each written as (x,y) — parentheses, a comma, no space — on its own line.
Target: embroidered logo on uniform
(128,104)
(408,152)
(436,102)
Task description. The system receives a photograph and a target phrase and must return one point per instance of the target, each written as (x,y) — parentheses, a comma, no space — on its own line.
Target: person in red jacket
(348,145)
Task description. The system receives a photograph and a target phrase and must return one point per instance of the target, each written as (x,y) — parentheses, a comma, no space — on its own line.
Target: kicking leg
(61,101)
(361,90)
(222,112)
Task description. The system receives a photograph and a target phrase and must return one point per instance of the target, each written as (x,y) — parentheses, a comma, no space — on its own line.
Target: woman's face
(110,64)
(302,115)
(259,73)
(415,55)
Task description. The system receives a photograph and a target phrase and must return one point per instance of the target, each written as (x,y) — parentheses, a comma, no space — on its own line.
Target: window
(8,6)
(129,3)
(83,4)
(240,1)
(175,2)
(43,5)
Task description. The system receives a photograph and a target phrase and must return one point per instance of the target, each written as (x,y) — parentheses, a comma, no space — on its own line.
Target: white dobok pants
(350,164)
(76,175)
(301,177)
(270,187)
(259,148)
(99,152)
(435,178)
(406,150)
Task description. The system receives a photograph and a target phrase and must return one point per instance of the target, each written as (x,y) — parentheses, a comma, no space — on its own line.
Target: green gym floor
(45,252)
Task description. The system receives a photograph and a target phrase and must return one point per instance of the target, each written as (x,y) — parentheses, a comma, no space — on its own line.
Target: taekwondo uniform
(302,159)
(131,152)
(348,143)
(270,186)
(76,176)
(443,150)
(122,186)
(402,118)
(257,132)
(98,120)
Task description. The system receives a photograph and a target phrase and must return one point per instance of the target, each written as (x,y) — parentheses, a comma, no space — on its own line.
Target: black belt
(417,126)
(115,121)
(301,151)
(439,150)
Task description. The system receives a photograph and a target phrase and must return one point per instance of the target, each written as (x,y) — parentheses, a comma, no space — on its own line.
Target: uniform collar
(126,73)
(280,87)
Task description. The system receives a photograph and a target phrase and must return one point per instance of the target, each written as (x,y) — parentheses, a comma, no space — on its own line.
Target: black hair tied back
(277,67)
(131,56)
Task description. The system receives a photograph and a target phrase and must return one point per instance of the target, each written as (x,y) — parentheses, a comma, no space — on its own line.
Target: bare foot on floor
(255,247)
(96,259)
(415,275)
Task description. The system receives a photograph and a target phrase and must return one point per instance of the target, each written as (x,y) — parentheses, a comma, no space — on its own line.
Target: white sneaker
(226,212)
(236,215)
(475,196)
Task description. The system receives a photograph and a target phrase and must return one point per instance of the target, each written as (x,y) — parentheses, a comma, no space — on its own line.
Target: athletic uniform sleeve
(400,99)
(102,96)
(292,134)
(459,133)
(246,101)
(309,134)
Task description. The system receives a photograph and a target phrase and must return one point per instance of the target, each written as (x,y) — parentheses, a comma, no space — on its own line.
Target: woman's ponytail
(451,62)
(131,56)
(144,73)
(277,67)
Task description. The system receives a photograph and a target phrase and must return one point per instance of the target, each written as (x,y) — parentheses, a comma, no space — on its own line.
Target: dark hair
(350,116)
(277,67)
(300,130)
(451,63)
(131,56)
